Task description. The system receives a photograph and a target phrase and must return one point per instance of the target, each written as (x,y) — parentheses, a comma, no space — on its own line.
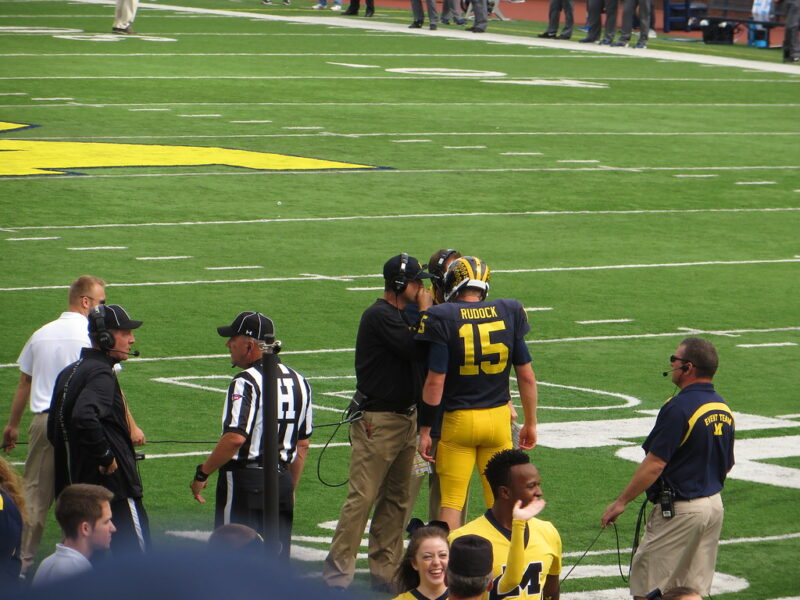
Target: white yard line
(414,216)
(316,278)
(414,172)
(592,338)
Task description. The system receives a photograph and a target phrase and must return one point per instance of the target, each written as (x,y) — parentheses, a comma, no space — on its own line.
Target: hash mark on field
(33,239)
(521,153)
(353,65)
(537,308)
(162,257)
(198,116)
(45,99)
(304,128)
(149,109)
(601,321)
(767,345)
(100,248)
(756,182)
(578,161)
(696,331)
(463,147)
(698,176)
(253,121)
(364,289)
(409,141)
(233,268)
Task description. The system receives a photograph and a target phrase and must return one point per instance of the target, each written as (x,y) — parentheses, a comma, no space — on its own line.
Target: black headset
(436,269)
(400,281)
(97,326)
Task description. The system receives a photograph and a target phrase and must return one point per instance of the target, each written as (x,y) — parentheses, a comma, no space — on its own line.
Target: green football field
(236,157)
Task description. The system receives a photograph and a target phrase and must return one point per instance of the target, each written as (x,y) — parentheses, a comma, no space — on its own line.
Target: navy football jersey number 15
(480,338)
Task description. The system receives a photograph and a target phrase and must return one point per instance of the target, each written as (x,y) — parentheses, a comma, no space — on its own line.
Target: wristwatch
(199,475)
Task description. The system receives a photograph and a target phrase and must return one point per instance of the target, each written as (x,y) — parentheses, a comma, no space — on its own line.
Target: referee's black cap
(252,324)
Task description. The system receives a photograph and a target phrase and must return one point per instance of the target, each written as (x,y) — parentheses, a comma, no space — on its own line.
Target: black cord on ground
(599,533)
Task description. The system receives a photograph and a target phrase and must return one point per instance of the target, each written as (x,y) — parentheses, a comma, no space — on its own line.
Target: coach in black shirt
(390,369)
(89,430)
(238,453)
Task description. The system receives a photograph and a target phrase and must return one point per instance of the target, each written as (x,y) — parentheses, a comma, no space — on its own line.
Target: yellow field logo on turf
(23,157)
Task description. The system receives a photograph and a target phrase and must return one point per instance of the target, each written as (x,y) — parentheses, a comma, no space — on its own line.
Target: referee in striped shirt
(238,453)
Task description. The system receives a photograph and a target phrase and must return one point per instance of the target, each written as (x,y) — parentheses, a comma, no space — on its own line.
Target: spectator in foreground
(84,512)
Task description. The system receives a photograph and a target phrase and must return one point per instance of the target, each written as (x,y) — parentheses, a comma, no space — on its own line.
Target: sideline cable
(619,554)
(349,417)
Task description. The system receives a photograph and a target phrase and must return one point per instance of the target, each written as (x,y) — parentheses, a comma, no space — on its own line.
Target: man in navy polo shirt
(688,455)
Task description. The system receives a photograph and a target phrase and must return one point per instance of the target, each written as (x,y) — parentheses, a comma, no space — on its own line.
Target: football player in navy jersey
(473,344)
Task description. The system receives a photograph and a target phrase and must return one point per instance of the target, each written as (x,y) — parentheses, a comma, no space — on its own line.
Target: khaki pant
(681,551)
(39,488)
(125,13)
(383,446)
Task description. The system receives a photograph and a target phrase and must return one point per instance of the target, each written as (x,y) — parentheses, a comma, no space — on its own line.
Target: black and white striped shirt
(243,414)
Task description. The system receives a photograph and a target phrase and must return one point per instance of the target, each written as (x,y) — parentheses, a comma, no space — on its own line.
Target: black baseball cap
(471,556)
(252,324)
(395,268)
(114,317)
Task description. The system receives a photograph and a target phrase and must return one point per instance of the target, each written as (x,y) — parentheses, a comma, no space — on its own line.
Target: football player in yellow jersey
(527,550)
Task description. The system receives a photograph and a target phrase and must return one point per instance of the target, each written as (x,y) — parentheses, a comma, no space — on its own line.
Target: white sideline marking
(301,128)
(47,99)
(149,109)
(756,182)
(698,176)
(537,308)
(162,257)
(364,289)
(766,345)
(577,161)
(33,239)
(463,147)
(600,321)
(253,121)
(794,416)
(409,141)
(521,153)
(198,116)
(395,29)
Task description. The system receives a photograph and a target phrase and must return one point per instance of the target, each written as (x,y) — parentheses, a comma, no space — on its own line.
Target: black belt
(251,464)
(404,411)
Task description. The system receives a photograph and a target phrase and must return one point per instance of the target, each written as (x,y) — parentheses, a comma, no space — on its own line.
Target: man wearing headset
(687,456)
(89,430)
(390,368)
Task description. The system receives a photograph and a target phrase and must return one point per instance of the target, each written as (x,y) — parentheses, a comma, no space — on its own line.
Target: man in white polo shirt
(51,348)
